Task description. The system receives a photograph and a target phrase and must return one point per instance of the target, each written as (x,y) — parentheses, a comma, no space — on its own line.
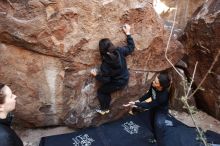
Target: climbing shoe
(102,112)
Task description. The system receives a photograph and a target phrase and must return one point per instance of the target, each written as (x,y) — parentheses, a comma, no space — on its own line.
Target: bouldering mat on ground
(132,131)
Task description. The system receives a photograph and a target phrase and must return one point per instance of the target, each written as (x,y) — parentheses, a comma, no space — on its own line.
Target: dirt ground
(31,137)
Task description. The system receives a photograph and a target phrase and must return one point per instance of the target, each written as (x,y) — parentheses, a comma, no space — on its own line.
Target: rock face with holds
(202,44)
(48,47)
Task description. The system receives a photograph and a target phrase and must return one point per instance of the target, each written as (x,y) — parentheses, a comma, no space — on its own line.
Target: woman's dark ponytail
(105,45)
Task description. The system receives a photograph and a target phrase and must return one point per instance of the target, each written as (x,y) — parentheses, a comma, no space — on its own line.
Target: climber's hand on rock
(126,29)
(94,72)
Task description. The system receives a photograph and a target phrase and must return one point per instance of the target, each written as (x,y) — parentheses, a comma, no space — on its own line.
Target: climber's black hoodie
(114,66)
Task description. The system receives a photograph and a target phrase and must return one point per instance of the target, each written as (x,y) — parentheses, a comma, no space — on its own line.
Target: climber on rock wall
(113,73)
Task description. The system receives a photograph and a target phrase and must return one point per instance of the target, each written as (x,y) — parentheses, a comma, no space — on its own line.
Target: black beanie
(164,80)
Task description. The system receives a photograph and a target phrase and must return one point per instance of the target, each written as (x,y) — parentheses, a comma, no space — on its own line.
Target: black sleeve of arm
(147,105)
(160,101)
(145,96)
(127,50)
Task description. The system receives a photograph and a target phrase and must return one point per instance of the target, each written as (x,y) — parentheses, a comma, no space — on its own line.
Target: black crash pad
(133,131)
(129,131)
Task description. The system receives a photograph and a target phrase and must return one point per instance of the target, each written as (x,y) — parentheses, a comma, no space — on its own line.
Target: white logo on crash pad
(82,140)
(131,127)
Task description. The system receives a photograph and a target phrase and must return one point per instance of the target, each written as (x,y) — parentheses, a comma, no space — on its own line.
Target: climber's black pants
(104,92)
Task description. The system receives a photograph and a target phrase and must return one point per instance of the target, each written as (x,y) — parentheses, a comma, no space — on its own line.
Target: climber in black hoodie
(113,74)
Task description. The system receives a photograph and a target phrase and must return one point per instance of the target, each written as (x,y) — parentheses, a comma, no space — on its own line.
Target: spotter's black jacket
(7,135)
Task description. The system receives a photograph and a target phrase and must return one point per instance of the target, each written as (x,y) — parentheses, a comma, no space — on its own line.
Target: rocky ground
(31,137)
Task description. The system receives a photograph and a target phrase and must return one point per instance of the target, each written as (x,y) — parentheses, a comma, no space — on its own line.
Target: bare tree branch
(200,132)
(194,72)
(213,63)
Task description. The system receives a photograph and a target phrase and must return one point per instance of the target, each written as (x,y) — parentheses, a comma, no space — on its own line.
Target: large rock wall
(202,43)
(48,48)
